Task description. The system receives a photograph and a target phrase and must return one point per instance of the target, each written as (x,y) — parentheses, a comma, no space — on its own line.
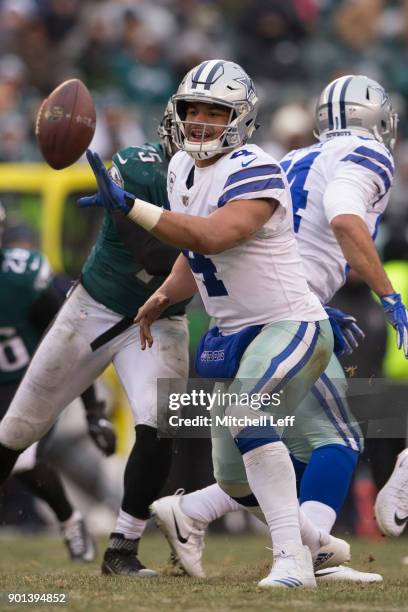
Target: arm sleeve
(155,257)
(350,192)
(44,309)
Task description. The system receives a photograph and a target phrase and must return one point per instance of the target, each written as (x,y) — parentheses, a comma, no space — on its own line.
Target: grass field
(234,564)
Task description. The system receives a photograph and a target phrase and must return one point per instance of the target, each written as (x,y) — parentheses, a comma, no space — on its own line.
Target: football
(65,124)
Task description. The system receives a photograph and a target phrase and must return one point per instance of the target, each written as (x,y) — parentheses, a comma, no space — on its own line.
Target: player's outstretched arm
(223,229)
(179,285)
(359,250)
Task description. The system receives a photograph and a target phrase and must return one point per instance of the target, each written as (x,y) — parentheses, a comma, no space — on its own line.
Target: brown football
(65,124)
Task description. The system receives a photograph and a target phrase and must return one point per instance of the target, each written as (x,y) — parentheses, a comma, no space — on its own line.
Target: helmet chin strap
(201,154)
(198,150)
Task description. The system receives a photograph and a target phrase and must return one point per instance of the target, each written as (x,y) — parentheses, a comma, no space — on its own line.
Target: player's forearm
(198,234)
(359,250)
(223,229)
(186,232)
(180,284)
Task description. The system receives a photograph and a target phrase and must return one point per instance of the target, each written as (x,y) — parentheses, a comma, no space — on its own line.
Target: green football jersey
(24,275)
(111,275)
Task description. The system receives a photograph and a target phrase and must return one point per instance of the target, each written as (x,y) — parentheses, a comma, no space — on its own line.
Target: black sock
(45,482)
(146,471)
(8,459)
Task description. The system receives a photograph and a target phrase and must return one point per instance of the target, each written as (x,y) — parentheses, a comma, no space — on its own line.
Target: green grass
(234,564)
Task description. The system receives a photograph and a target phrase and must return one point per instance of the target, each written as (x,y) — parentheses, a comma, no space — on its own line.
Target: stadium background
(132,56)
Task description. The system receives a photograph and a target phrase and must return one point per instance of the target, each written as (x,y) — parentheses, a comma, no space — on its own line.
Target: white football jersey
(343,175)
(261,280)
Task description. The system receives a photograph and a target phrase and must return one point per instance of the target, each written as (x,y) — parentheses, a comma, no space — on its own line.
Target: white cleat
(78,540)
(348,574)
(333,552)
(391,505)
(292,568)
(184,535)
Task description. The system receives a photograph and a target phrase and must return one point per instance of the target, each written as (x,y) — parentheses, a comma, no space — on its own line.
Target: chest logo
(185,199)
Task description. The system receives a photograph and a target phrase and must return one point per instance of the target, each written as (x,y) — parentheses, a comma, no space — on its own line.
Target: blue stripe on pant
(253,437)
(340,420)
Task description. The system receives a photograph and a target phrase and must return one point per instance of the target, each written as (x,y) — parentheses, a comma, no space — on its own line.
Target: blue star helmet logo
(248,84)
(383,93)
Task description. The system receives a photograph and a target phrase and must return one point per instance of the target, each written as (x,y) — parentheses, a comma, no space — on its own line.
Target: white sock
(131,527)
(312,537)
(271,477)
(206,505)
(321,515)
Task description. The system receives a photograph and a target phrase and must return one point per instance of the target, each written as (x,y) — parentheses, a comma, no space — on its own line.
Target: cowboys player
(231,214)
(93,329)
(340,188)
(28,304)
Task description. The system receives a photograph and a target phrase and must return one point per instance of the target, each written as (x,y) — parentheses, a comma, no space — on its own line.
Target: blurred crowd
(133,53)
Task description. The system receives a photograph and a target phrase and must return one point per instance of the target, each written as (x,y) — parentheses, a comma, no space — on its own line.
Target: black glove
(100,429)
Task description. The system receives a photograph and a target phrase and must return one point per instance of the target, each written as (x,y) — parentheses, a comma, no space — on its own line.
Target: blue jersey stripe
(241,190)
(286,163)
(377,224)
(377,156)
(363,161)
(241,175)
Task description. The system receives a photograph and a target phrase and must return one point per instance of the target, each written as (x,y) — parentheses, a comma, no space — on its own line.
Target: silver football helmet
(359,104)
(165,129)
(223,83)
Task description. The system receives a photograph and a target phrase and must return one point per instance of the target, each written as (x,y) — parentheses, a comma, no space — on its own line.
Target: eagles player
(340,188)
(231,215)
(93,329)
(28,304)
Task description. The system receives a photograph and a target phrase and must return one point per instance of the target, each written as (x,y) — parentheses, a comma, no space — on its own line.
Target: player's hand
(149,312)
(347,334)
(110,195)
(100,429)
(398,317)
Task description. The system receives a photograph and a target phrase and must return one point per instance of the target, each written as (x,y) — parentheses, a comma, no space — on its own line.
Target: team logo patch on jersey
(172,180)
(185,199)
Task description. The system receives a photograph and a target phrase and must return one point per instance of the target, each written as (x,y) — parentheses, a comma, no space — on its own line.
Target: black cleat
(121,559)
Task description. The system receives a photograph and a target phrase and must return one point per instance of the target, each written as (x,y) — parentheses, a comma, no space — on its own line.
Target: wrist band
(145,214)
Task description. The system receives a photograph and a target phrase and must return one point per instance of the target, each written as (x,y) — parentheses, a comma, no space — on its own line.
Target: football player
(340,187)
(28,304)
(93,329)
(231,214)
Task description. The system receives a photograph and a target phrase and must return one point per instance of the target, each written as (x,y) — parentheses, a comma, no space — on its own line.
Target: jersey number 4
(203,265)
(297,176)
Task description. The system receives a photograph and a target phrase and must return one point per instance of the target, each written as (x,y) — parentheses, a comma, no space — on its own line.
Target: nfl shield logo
(185,200)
